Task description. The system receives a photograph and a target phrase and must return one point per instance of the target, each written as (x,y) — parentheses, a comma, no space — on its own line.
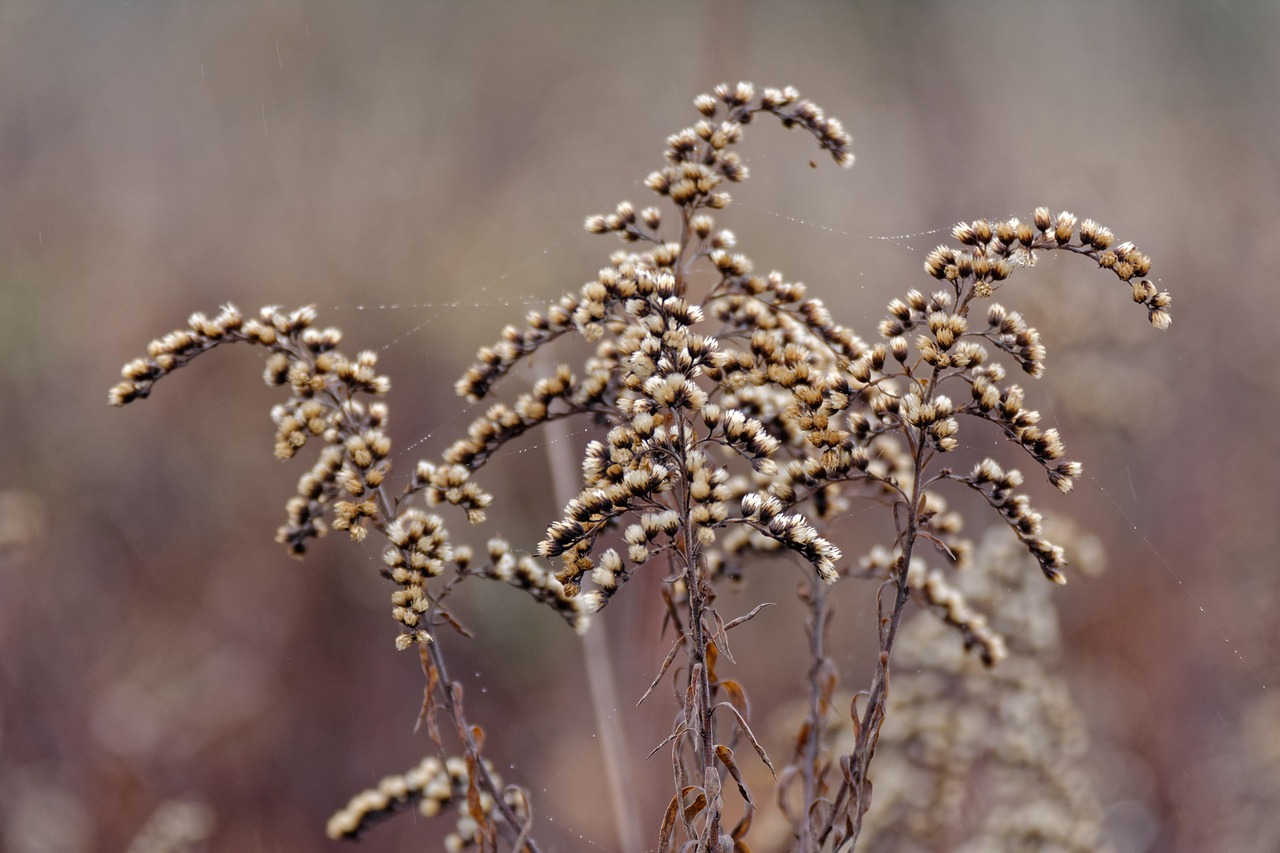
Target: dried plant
(735,419)
(985,758)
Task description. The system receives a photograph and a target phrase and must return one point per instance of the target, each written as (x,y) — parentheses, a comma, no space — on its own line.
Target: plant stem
(598,666)
(511,825)
(877,699)
(817,715)
(698,669)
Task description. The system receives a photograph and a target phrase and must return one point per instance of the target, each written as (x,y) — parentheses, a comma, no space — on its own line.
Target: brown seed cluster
(992,250)
(431,786)
(786,381)
(525,573)
(325,402)
(792,531)
(700,157)
(800,373)
(492,363)
(654,373)
(997,486)
(501,423)
(419,550)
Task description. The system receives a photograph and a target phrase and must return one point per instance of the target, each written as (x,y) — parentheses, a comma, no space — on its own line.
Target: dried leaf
(456,689)
(821,812)
(820,774)
(666,664)
(721,639)
(449,619)
(827,681)
(746,730)
(428,712)
(711,785)
(802,738)
(840,833)
(846,768)
(474,809)
(668,824)
(790,773)
(679,775)
(725,754)
(488,837)
(740,830)
(677,733)
(748,617)
(691,695)
(695,808)
(940,545)
(521,798)
(736,696)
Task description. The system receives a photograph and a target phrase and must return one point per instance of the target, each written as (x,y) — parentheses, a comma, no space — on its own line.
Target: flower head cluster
(432,786)
(733,417)
(418,551)
(991,251)
(997,486)
(821,416)
(526,573)
(551,396)
(669,390)
(326,390)
(792,531)
(700,157)
(935,344)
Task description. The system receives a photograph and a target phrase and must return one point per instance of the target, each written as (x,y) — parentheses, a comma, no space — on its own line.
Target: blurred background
(159,650)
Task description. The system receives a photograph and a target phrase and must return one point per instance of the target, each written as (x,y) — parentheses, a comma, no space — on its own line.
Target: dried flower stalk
(736,419)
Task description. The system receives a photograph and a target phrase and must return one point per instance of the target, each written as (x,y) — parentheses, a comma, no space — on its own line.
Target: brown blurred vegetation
(162,157)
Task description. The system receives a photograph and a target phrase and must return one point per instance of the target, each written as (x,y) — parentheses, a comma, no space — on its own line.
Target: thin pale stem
(598,666)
